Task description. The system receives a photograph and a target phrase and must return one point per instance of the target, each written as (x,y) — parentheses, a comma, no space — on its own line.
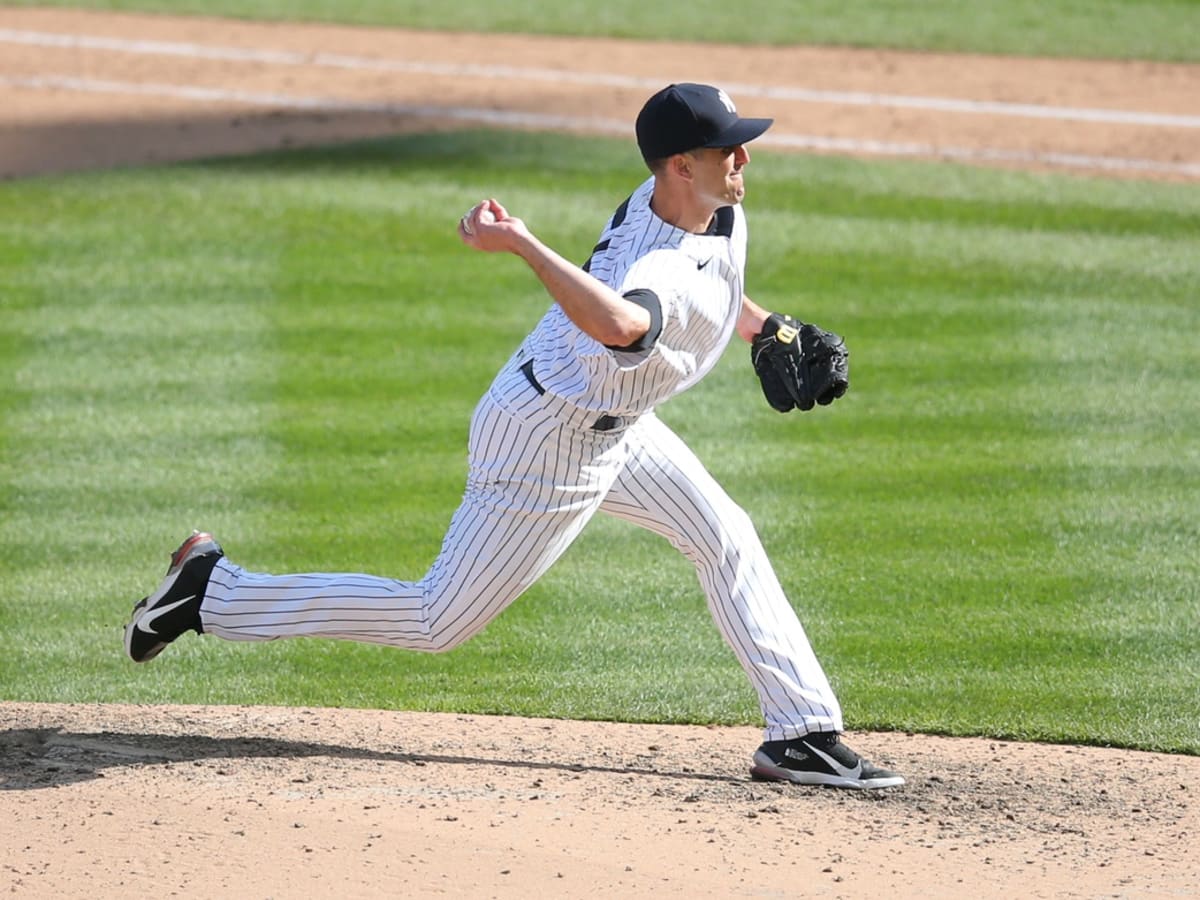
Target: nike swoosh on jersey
(837,767)
(146,622)
(701,265)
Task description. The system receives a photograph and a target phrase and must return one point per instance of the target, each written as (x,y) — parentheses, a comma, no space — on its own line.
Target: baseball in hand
(486,216)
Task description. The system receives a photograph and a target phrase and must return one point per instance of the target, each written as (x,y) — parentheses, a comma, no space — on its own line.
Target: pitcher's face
(718,173)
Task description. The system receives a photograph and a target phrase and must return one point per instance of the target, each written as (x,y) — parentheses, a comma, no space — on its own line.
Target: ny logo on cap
(724,98)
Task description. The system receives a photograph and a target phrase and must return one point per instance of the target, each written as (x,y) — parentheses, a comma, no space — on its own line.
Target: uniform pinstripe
(539,470)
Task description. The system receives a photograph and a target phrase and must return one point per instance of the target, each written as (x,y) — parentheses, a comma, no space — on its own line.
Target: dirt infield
(263,802)
(101,801)
(80,90)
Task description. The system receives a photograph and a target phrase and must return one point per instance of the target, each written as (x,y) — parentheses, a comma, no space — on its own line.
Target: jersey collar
(722,223)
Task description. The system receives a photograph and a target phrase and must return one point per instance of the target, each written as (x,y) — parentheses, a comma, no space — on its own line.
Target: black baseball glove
(799,365)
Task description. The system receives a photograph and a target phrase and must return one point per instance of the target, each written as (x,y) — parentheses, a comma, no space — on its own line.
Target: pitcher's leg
(526,501)
(667,490)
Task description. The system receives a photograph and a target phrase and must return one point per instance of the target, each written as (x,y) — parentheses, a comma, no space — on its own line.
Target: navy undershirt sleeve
(647,300)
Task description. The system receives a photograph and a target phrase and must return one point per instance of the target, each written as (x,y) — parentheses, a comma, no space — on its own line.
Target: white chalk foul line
(794,94)
(591,124)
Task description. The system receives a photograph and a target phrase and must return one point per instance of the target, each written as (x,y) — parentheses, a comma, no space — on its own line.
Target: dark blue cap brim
(743,131)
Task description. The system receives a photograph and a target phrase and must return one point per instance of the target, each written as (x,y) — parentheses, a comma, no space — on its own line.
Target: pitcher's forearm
(595,308)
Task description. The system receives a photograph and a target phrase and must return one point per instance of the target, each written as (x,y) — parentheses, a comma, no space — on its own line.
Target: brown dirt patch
(104,800)
(267,802)
(131,89)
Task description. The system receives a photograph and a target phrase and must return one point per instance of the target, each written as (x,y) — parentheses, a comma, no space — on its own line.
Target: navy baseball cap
(682,117)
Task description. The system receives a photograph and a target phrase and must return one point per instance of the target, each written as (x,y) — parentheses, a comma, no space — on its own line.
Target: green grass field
(1126,29)
(994,533)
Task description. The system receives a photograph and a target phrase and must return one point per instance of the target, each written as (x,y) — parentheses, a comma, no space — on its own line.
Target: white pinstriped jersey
(698,280)
(540,468)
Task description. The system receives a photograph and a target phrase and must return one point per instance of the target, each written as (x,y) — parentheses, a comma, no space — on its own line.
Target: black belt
(604,423)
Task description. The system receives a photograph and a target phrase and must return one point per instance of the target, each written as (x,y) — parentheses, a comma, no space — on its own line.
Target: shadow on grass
(296,140)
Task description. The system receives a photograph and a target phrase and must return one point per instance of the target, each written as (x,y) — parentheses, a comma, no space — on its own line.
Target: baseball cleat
(175,607)
(820,759)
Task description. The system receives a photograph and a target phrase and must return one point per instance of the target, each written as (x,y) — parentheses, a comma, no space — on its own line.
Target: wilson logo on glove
(786,334)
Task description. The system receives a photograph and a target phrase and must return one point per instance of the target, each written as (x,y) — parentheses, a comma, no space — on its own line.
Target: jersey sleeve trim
(647,300)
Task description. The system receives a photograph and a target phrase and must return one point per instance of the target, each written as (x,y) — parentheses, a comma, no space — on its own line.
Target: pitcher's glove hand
(799,365)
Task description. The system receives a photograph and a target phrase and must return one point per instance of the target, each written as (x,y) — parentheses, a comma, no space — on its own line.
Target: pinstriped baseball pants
(534,482)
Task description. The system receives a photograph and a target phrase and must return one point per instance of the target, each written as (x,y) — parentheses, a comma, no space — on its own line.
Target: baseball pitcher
(568,429)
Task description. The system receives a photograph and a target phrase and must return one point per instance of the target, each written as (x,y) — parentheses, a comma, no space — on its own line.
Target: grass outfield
(1147,29)
(994,533)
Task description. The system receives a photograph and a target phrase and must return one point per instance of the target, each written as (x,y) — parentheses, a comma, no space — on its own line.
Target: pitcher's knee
(444,633)
(443,641)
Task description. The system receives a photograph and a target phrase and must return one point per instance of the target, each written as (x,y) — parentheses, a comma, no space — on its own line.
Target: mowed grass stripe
(988,535)
(1021,453)
(139,402)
